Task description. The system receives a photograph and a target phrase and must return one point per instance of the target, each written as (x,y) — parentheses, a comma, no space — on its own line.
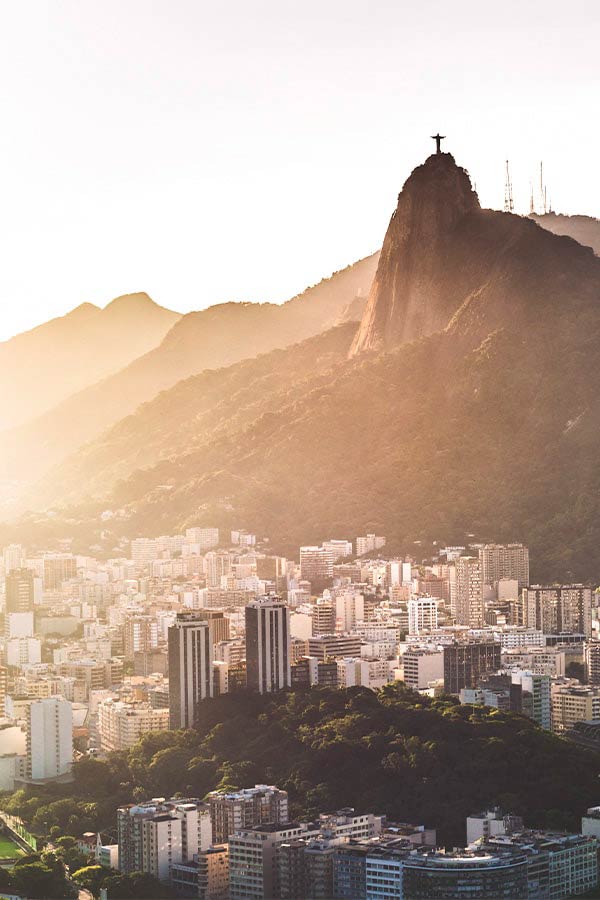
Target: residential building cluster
(94,652)
(243,846)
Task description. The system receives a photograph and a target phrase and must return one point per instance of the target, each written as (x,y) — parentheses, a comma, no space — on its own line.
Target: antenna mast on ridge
(543,203)
(508,192)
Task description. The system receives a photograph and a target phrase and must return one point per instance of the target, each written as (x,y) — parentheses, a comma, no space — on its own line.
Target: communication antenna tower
(543,203)
(508,192)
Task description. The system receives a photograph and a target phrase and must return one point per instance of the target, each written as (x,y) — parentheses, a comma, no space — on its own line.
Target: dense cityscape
(99,653)
(299,469)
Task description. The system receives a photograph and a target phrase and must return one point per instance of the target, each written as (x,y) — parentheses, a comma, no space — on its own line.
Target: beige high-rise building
(261,805)
(557,609)
(140,635)
(500,562)
(121,724)
(573,703)
(213,873)
(469,592)
(316,566)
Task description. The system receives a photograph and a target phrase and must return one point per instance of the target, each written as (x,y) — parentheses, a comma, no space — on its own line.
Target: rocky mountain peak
(404,303)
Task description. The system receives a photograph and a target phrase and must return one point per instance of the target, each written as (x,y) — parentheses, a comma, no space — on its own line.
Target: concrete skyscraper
(268,662)
(49,738)
(190,668)
(501,562)
(19,591)
(469,592)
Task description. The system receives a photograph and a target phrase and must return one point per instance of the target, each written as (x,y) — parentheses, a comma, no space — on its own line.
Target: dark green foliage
(391,751)
(91,878)
(136,885)
(40,877)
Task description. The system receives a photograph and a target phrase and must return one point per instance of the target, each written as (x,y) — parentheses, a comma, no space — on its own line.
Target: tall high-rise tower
(469,592)
(504,561)
(49,737)
(190,668)
(268,662)
(19,591)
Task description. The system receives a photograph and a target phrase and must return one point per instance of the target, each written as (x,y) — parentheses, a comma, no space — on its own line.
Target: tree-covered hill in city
(390,751)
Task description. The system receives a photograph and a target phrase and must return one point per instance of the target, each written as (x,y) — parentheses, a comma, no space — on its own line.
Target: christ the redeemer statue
(438,138)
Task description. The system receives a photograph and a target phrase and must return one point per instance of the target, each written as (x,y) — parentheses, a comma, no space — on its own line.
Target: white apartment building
(338,549)
(379,649)
(513,637)
(301,624)
(421,666)
(349,609)
(206,538)
(13,557)
(144,551)
(344,823)
(18,624)
(373,673)
(49,738)
(122,723)
(422,614)
(491,823)
(573,703)
(540,660)
(369,544)
(24,651)
(346,672)
(153,836)
(220,671)
(375,632)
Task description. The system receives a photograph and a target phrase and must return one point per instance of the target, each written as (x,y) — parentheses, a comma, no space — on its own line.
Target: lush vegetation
(50,876)
(121,887)
(8,848)
(391,751)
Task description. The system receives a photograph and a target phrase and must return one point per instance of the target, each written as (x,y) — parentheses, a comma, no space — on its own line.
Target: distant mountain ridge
(41,367)
(584,229)
(211,338)
(485,418)
(198,411)
(471,402)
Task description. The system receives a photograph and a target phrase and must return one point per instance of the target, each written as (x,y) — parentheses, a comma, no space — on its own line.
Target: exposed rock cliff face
(408,299)
(447,264)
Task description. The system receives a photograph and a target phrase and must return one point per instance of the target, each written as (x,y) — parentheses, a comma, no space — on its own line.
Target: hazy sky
(211,151)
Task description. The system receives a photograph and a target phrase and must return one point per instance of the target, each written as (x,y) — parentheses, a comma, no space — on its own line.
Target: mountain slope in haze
(584,229)
(41,367)
(196,411)
(485,422)
(218,336)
